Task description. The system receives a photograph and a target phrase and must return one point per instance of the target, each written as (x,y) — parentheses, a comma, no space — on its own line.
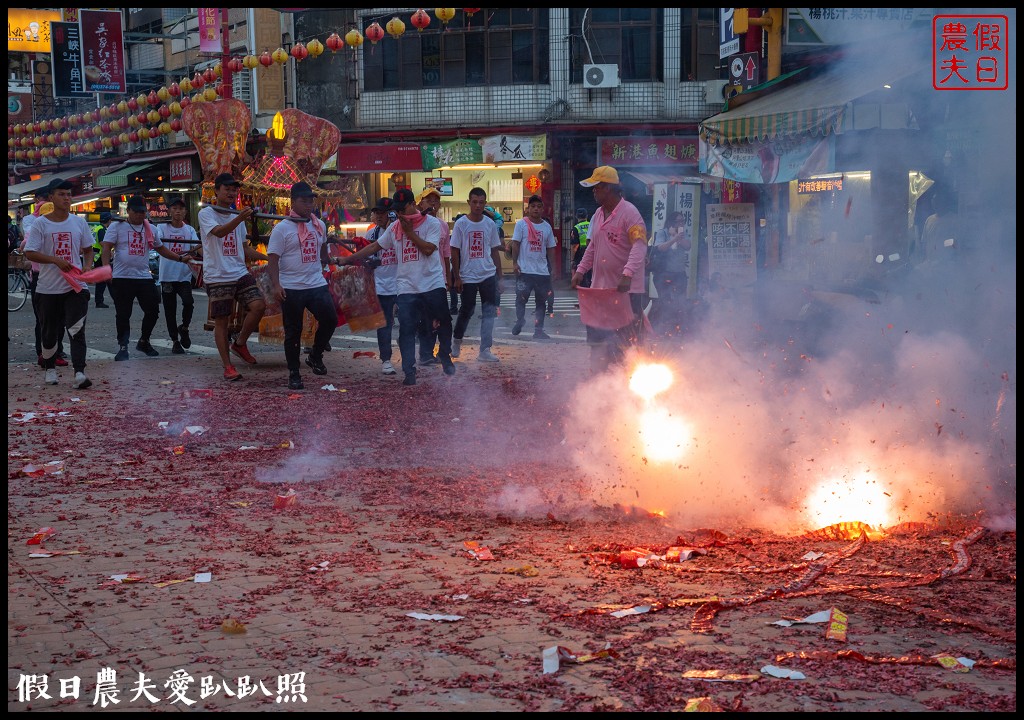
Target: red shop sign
(181,169)
(633,151)
(397,157)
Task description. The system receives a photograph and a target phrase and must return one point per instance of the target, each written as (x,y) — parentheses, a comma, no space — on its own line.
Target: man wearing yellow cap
(616,252)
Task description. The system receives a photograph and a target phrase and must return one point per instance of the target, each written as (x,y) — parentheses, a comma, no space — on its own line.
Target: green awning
(817,106)
(122,176)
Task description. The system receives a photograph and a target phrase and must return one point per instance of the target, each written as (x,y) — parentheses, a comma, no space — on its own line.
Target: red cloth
(97,275)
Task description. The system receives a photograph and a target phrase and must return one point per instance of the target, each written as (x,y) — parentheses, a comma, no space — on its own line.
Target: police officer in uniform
(578,242)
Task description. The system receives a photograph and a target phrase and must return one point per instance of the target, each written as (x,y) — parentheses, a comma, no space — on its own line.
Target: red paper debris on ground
(837,626)
(363,353)
(40,537)
(289,499)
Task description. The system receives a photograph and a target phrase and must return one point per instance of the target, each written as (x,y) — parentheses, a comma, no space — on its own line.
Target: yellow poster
(29,30)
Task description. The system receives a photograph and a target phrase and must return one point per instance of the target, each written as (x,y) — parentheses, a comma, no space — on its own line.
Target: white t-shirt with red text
(417,273)
(533,246)
(301,267)
(475,240)
(130,249)
(223,258)
(66,239)
(171,270)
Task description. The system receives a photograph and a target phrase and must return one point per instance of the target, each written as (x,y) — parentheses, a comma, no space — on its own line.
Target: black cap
(384,205)
(58,184)
(175,202)
(225,179)
(137,202)
(402,197)
(302,189)
(581,213)
(104,216)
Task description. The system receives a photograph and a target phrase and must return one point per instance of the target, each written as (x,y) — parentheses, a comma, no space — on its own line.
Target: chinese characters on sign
(103,51)
(970,52)
(456,152)
(29,30)
(68,80)
(291,688)
(731,244)
(635,151)
(209,29)
(181,169)
(505,148)
(805,187)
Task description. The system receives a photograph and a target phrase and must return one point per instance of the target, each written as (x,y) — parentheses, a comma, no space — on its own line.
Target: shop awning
(16,192)
(122,176)
(818,106)
(664,177)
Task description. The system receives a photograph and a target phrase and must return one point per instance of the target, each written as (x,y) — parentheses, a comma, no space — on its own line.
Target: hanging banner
(446,154)
(29,30)
(209,30)
(731,245)
(180,169)
(659,209)
(68,80)
(631,151)
(774,161)
(688,205)
(503,148)
(103,51)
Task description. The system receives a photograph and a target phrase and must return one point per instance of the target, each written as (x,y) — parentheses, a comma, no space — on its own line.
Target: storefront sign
(68,80)
(830,26)
(181,169)
(505,148)
(29,30)
(456,152)
(635,151)
(731,245)
(379,158)
(810,187)
(209,30)
(103,51)
(775,161)
(731,191)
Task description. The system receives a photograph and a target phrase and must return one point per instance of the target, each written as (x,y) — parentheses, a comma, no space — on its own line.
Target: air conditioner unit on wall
(600,76)
(714,91)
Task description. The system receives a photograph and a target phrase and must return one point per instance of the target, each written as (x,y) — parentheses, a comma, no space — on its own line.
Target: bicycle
(18,281)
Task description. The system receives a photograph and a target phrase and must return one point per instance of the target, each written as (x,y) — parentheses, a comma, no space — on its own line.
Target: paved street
(564,328)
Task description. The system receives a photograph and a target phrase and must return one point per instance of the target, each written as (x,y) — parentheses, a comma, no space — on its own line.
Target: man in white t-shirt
(385,280)
(226,275)
(58,241)
(476,268)
(533,261)
(42,198)
(298,251)
(176,278)
(419,285)
(429,202)
(126,247)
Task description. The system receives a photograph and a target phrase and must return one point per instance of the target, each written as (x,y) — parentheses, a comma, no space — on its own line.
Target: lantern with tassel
(374,33)
(250,62)
(420,20)
(335,43)
(315,48)
(299,52)
(235,65)
(185,86)
(395,27)
(471,11)
(444,14)
(354,38)
(265,59)
(280,56)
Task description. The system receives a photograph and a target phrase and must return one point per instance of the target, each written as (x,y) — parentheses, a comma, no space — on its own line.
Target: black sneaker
(409,380)
(295,381)
(449,367)
(540,335)
(122,354)
(518,327)
(177,349)
(102,304)
(186,341)
(145,347)
(316,364)
(454,310)
(429,361)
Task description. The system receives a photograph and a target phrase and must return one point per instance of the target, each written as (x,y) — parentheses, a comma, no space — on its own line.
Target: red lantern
(165,112)
(299,52)
(210,75)
(133,104)
(374,33)
(420,20)
(153,99)
(335,43)
(471,11)
(176,125)
(198,81)
(235,65)
(265,59)
(174,90)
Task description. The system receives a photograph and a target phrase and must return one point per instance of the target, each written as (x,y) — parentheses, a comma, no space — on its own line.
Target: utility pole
(225,44)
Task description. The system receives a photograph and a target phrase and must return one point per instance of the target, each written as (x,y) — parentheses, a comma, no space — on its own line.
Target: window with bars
(493,47)
(631,38)
(699,45)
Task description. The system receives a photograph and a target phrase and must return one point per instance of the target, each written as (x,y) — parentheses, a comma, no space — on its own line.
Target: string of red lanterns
(151,115)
